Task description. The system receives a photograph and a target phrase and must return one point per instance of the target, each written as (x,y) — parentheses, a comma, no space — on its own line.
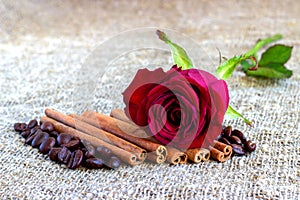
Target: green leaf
(271,64)
(180,57)
(226,69)
(276,54)
(235,114)
(272,70)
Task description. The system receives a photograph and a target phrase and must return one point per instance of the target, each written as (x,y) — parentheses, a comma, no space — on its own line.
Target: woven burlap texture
(44,45)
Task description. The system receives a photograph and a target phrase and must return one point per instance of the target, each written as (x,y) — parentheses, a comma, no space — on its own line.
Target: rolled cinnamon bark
(128,128)
(126,156)
(226,149)
(220,151)
(120,114)
(158,153)
(198,154)
(175,156)
(101,134)
(216,154)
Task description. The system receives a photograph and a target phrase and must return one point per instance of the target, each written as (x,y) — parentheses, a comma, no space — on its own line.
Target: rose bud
(184,108)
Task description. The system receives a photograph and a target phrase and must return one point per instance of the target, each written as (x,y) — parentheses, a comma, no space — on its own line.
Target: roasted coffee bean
(34,129)
(64,155)
(224,140)
(89,151)
(47,126)
(250,146)
(104,152)
(33,133)
(47,145)
(72,145)
(17,127)
(63,138)
(25,134)
(30,138)
(238,149)
(94,163)
(23,127)
(32,124)
(75,159)
(239,134)
(54,134)
(39,138)
(86,153)
(70,162)
(114,162)
(227,131)
(234,140)
(54,152)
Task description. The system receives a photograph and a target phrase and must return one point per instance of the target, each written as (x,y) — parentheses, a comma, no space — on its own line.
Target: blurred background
(210,19)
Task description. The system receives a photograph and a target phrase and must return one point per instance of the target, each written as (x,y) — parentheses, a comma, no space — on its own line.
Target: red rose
(183,108)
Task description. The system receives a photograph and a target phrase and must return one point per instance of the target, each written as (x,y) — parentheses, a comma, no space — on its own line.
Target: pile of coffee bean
(65,149)
(237,140)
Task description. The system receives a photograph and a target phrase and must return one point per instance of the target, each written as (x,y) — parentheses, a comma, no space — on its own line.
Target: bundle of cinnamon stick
(128,141)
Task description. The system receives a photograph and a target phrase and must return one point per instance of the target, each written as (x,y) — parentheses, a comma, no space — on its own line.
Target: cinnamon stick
(120,114)
(158,153)
(226,149)
(101,134)
(216,154)
(220,151)
(175,156)
(126,156)
(198,154)
(129,128)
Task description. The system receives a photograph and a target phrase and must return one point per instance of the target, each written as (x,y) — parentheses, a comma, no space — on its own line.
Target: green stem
(262,43)
(226,69)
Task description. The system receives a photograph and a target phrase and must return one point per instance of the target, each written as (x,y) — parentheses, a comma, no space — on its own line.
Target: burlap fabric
(43,46)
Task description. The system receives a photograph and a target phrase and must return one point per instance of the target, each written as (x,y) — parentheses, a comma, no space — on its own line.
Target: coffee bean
(47,145)
(47,126)
(23,127)
(224,140)
(35,129)
(32,124)
(104,152)
(238,149)
(54,134)
(114,162)
(25,134)
(239,134)
(72,145)
(30,138)
(75,159)
(250,146)
(234,140)
(227,131)
(63,138)
(53,153)
(39,138)
(94,163)
(64,155)
(17,127)
(86,153)
(89,150)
